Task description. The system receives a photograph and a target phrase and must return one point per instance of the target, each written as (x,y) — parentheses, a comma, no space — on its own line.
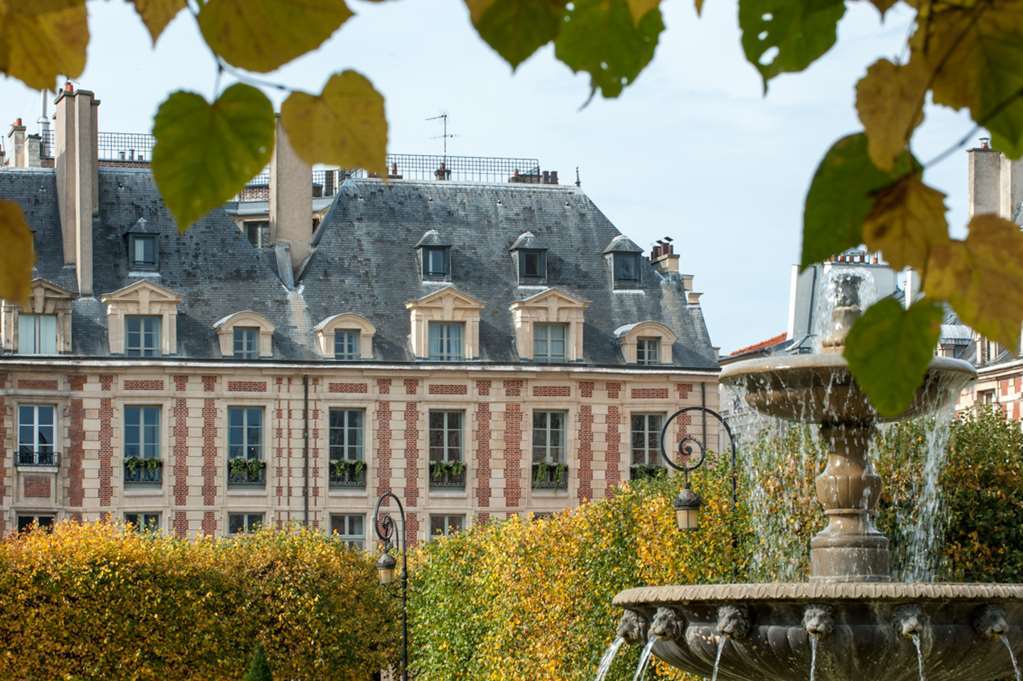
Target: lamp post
(387,565)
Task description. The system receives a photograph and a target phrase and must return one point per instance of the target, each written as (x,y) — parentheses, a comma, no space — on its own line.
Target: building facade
(481,349)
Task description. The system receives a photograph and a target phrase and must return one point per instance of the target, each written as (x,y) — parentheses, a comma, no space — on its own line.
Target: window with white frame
(446,525)
(142,463)
(646,445)
(550,342)
(447,465)
(246,342)
(245,463)
(37,428)
(648,351)
(143,251)
(549,469)
(446,341)
(346,344)
(143,522)
(347,467)
(142,335)
(244,523)
(350,529)
(37,334)
(436,263)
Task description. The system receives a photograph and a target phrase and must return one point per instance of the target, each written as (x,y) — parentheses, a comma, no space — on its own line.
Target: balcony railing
(246,473)
(142,472)
(646,471)
(347,474)
(447,475)
(550,475)
(42,458)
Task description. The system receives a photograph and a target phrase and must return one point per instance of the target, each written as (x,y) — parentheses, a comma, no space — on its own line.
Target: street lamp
(387,566)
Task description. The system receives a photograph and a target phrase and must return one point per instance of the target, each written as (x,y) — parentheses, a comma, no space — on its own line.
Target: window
(446,525)
(143,522)
(626,268)
(254,230)
(37,334)
(143,251)
(142,464)
(27,522)
(646,445)
(346,344)
(347,468)
(549,469)
(532,264)
(648,351)
(435,262)
(447,467)
(244,523)
(350,528)
(446,341)
(245,463)
(549,342)
(142,336)
(246,342)
(36,431)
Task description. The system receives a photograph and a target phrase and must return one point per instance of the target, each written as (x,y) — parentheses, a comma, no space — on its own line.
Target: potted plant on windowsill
(348,471)
(643,471)
(550,475)
(447,472)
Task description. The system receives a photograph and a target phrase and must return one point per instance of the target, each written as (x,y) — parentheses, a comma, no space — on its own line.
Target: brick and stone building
(480,349)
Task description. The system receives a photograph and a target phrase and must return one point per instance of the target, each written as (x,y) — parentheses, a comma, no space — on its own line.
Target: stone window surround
(117,441)
(45,298)
(225,332)
(570,450)
(267,433)
(146,299)
(59,423)
(647,329)
(552,306)
(324,333)
(368,445)
(446,305)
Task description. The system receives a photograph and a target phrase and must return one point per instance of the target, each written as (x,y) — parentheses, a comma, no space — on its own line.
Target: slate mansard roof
(364,261)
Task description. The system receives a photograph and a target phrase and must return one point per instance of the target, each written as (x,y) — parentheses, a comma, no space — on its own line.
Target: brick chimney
(291,200)
(16,146)
(663,256)
(985,179)
(75,163)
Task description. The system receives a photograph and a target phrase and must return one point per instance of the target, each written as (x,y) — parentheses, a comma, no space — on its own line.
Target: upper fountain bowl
(819,388)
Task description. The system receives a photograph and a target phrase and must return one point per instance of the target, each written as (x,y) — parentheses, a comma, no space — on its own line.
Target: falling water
(644,659)
(925,535)
(1012,656)
(813,656)
(919,656)
(722,640)
(609,657)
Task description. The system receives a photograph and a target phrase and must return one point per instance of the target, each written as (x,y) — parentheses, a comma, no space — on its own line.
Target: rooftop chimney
(75,153)
(291,200)
(664,258)
(985,179)
(19,154)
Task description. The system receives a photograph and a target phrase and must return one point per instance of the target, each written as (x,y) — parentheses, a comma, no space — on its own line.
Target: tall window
(445,525)
(435,262)
(347,468)
(532,264)
(549,342)
(27,522)
(646,448)
(648,351)
(447,466)
(143,522)
(245,463)
(346,344)
(350,528)
(142,336)
(446,341)
(254,231)
(244,523)
(246,342)
(37,334)
(626,268)
(36,432)
(549,469)
(142,464)
(143,251)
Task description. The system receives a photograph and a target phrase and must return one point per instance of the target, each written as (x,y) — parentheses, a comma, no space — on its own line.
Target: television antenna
(443,118)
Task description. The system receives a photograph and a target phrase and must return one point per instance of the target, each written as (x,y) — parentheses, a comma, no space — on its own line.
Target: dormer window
(646,343)
(623,256)
(447,342)
(246,342)
(37,334)
(445,326)
(549,326)
(346,344)
(345,336)
(530,256)
(550,342)
(245,335)
(626,268)
(144,251)
(142,335)
(648,351)
(40,326)
(434,257)
(142,320)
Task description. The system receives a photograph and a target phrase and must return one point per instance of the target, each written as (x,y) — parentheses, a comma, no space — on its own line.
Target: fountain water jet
(850,604)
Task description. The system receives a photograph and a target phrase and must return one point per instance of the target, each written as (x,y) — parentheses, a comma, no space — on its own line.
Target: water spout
(919,656)
(1012,657)
(644,659)
(813,656)
(608,658)
(722,640)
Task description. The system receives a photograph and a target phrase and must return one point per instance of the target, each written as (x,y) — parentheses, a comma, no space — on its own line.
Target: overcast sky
(692,149)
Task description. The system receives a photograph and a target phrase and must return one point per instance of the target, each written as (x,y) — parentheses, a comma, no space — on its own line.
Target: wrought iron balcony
(347,474)
(550,475)
(447,475)
(143,472)
(38,458)
(246,473)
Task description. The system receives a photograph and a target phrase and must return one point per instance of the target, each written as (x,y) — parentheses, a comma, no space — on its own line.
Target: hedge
(97,601)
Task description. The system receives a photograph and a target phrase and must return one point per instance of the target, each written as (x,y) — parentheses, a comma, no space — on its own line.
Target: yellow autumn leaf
(890,101)
(982,277)
(883,5)
(906,222)
(640,8)
(345,125)
(43,39)
(17,255)
(699,7)
(263,35)
(156,14)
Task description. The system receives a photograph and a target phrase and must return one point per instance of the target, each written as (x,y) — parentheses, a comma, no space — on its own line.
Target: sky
(693,149)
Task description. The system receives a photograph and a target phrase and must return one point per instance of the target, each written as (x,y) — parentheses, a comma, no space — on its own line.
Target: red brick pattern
(180,451)
(586,388)
(1003,387)
(360,388)
(512,455)
(383,437)
(3,439)
(106,451)
(412,528)
(411,386)
(209,523)
(209,457)
(614,473)
(246,386)
(37,384)
(411,452)
(444,389)
(384,386)
(482,518)
(180,524)
(106,382)
(614,389)
(483,454)
(552,391)
(143,385)
(209,384)
(585,452)
(513,388)
(181,383)
(649,393)
(683,390)
(37,486)
(76,449)
(483,388)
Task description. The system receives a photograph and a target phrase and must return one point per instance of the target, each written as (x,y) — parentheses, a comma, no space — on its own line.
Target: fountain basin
(864,630)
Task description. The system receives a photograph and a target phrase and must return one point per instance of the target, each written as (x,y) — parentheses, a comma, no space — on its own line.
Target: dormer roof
(528,241)
(622,244)
(433,238)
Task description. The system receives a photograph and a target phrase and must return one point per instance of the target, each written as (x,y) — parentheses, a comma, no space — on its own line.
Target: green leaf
(841,197)
(781,36)
(344,126)
(17,255)
(206,153)
(601,38)
(517,28)
(888,350)
(263,35)
(43,39)
(156,14)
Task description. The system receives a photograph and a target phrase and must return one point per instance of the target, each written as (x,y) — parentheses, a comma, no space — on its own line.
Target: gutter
(305,450)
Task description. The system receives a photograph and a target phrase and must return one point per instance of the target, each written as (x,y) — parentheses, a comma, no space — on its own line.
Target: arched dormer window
(549,326)
(143,247)
(646,343)
(142,320)
(434,257)
(346,336)
(623,257)
(42,326)
(445,326)
(245,335)
(530,256)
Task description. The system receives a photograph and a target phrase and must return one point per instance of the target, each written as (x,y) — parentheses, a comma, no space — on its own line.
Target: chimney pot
(985,142)
(17,122)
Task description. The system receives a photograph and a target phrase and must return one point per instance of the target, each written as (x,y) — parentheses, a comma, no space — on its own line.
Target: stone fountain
(849,622)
